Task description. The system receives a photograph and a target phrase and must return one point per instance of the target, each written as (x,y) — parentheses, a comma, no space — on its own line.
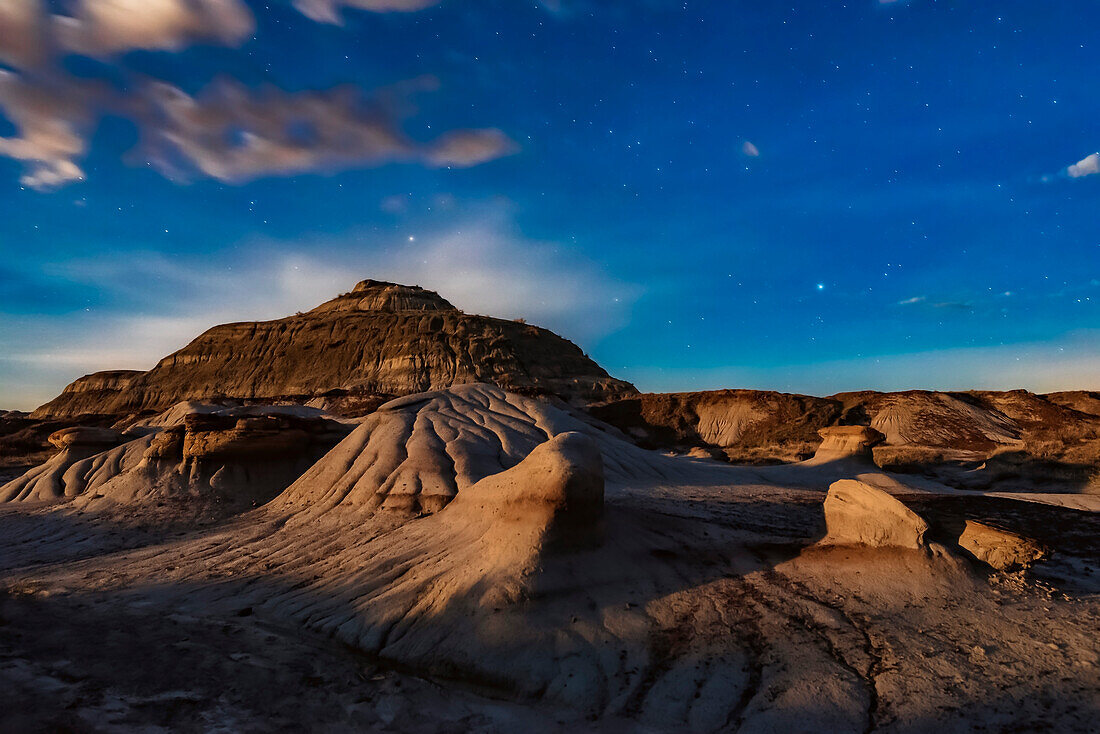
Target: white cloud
(103,27)
(750,149)
(1085,167)
(913,300)
(466,148)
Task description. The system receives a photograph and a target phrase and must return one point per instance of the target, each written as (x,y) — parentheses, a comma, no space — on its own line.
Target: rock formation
(747,425)
(1054,436)
(520,546)
(416,454)
(1000,548)
(378,341)
(859,514)
(47,482)
(239,456)
(847,442)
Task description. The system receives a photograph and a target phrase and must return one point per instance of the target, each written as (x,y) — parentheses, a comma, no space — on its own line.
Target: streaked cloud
(328,11)
(54,119)
(234,134)
(227,131)
(913,300)
(465,148)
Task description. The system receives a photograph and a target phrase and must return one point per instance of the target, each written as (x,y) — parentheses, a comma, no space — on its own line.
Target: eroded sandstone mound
(239,455)
(47,481)
(415,454)
(381,339)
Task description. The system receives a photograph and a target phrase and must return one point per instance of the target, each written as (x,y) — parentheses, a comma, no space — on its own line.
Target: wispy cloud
(955,305)
(103,27)
(234,134)
(328,11)
(227,131)
(913,300)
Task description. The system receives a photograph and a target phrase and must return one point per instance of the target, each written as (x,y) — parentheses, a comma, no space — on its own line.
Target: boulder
(859,514)
(1000,548)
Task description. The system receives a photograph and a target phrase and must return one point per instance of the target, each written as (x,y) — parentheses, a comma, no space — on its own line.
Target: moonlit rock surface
(859,514)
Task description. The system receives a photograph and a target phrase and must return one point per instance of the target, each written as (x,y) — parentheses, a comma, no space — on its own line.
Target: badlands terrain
(387,515)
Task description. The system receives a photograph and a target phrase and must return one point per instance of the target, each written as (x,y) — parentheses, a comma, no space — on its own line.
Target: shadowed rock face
(381,339)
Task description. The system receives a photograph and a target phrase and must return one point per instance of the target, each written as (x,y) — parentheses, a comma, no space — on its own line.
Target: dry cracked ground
(474,560)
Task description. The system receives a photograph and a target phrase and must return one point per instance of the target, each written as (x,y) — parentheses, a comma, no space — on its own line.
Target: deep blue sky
(702,194)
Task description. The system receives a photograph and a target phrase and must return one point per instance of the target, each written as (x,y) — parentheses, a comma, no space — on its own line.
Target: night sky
(808,197)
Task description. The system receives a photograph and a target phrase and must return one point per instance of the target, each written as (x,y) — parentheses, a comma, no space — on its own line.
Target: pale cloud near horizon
(486,267)
(1065,362)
